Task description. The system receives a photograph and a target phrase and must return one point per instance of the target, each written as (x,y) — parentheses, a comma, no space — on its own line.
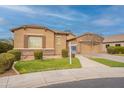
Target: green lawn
(44,65)
(119,54)
(108,62)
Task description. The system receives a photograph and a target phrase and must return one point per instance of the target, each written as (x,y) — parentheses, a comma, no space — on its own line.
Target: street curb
(15,69)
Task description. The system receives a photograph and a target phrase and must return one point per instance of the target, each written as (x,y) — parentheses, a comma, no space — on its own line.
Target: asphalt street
(92,83)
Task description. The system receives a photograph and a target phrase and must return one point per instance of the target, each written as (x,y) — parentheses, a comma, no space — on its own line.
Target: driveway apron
(110,57)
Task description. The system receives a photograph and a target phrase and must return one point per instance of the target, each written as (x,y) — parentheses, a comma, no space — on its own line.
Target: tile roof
(90,33)
(114,38)
(38,27)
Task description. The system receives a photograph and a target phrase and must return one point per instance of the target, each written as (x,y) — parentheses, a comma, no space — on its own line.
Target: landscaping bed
(45,65)
(8,73)
(108,62)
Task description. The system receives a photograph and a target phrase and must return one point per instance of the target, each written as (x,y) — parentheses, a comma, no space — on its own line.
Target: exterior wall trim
(30,34)
(113,42)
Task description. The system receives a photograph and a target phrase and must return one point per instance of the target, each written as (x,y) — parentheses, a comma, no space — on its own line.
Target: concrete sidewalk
(110,57)
(90,70)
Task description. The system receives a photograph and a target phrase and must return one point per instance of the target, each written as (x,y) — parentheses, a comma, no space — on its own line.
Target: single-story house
(28,38)
(114,40)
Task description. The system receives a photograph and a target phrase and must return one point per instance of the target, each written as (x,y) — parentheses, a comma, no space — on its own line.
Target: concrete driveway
(111,57)
(90,70)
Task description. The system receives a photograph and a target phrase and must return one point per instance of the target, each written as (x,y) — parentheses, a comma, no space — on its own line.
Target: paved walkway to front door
(89,70)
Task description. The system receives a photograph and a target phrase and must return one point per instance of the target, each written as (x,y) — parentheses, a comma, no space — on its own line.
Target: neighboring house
(28,38)
(114,40)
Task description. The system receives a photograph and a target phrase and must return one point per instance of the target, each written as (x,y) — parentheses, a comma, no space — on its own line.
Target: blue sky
(105,20)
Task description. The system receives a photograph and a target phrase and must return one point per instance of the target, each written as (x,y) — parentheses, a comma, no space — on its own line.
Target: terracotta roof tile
(39,27)
(114,38)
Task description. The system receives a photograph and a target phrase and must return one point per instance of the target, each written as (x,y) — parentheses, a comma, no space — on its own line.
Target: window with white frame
(35,42)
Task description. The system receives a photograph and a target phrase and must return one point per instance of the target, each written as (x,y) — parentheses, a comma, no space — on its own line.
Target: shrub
(6,61)
(38,54)
(17,54)
(64,53)
(111,50)
(115,50)
(4,47)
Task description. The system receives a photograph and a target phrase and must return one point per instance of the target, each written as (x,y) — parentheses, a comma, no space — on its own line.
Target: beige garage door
(97,49)
(88,49)
(85,49)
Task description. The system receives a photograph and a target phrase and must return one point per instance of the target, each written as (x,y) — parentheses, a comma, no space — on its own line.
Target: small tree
(4,47)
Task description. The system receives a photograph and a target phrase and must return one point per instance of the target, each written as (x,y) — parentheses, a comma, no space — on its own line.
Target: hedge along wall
(115,50)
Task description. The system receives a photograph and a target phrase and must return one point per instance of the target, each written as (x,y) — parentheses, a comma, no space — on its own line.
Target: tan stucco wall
(19,36)
(70,36)
(50,41)
(58,48)
(85,48)
(48,34)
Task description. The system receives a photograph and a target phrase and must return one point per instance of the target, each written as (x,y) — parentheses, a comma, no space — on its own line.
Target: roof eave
(23,27)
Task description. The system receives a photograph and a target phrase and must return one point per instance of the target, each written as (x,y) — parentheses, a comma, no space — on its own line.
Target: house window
(58,40)
(117,44)
(35,42)
(107,45)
